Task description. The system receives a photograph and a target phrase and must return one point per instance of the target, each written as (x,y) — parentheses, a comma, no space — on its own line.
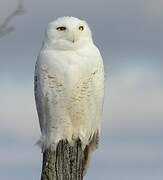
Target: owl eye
(61,28)
(81,28)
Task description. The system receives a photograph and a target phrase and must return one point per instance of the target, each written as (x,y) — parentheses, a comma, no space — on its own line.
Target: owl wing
(98,89)
(38,99)
(40,104)
(49,92)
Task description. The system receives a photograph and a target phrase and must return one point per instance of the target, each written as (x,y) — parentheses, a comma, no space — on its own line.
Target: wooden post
(66,163)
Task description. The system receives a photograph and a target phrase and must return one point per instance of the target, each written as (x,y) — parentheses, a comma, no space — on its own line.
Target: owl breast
(85,103)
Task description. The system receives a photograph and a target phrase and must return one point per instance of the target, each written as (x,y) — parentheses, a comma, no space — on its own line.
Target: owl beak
(74,38)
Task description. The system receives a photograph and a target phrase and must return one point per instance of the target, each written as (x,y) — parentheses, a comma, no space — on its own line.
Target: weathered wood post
(66,163)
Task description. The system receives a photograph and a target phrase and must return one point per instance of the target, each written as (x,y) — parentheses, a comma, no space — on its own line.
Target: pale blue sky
(129,35)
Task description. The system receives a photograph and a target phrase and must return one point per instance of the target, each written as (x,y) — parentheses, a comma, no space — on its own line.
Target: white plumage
(69,85)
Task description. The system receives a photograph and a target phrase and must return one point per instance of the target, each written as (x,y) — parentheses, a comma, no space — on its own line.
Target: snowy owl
(69,85)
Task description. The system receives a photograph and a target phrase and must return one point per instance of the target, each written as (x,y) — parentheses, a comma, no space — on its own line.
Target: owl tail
(41,143)
(89,149)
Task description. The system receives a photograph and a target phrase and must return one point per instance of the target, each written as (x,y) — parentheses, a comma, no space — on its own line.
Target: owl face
(68,32)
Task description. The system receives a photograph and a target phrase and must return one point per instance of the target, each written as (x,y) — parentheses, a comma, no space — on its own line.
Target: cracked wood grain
(66,163)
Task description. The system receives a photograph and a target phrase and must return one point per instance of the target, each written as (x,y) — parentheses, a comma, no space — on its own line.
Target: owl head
(68,33)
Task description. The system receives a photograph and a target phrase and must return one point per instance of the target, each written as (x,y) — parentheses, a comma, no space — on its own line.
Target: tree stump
(66,163)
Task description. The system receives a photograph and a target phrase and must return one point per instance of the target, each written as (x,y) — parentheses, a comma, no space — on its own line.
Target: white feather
(69,84)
